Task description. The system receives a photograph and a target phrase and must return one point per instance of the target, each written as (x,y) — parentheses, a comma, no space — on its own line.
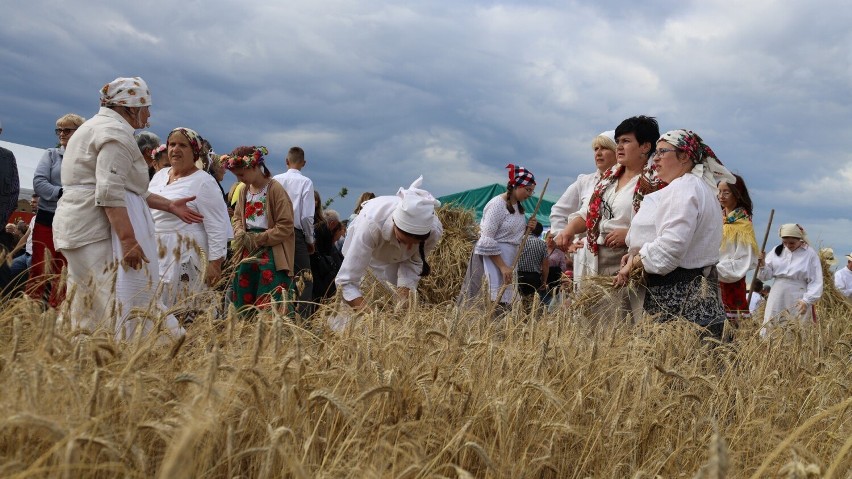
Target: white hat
(849,257)
(416,212)
(609,134)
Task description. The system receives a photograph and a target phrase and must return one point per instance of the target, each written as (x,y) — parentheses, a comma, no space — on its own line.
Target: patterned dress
(257,283)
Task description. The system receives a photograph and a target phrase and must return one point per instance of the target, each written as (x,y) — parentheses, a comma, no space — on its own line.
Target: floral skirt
(685,293)
(257,284)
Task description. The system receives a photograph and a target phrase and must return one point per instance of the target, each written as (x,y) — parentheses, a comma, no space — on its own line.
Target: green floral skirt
(258,285)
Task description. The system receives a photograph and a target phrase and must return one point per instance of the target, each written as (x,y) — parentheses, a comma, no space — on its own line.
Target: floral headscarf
(132,92)
(248,161)
(705,164)
(194,138)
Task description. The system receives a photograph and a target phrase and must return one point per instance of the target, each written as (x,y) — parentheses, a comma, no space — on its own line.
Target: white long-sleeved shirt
(370,242)
(300,188)
(735,260)
(575,197)
(620,204)
(213,233)
(28,246)
(687,223)
(843,281)
(800,265)
(499,226)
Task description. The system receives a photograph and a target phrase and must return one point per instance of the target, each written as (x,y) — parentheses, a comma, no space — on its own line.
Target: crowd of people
(141,225)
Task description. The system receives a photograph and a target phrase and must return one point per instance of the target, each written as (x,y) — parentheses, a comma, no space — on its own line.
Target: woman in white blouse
(739,247)
(576,196)
(795,268)
(676,234)
(191,254)
(500,232)
(607,215)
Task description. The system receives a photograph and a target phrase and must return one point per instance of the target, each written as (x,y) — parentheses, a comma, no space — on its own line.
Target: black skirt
(692,294)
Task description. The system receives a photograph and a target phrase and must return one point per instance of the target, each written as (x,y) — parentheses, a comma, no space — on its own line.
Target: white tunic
(575,197)
(617,213)
(843,281)
(687,226)
(798,276)
(801,265)
(735,260)
(370,242)
(176,238)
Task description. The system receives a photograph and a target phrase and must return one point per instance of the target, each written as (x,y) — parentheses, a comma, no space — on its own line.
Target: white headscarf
(132,92)
(792,230)
(705,164)
(416,212)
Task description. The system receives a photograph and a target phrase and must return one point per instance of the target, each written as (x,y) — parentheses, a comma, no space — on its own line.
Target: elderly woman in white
(392,236)
(188,250)
(797,273)
(103,217)
(676,234)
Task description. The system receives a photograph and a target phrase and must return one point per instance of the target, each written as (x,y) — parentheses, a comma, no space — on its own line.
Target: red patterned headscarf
(705,164)
(520,176)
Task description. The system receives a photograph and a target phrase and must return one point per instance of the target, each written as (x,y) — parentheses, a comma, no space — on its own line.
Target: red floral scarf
(648,183)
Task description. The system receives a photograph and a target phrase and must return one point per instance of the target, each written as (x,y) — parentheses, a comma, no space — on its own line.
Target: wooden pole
(762,250)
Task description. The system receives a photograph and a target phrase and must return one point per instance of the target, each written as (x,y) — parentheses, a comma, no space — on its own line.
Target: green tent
(476,200)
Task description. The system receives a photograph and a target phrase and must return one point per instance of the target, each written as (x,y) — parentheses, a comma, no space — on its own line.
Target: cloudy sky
(380,92)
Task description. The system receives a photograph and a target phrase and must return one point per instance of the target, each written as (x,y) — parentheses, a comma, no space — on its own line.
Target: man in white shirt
(843,279)
(300,188)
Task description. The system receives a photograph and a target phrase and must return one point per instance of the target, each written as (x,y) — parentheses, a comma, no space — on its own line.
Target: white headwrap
(132,92)
(416,212)
(609,134)
(706,165)
(792,230)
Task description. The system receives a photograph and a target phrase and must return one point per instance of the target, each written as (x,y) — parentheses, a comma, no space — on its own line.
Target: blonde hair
(72,118)
(603,141)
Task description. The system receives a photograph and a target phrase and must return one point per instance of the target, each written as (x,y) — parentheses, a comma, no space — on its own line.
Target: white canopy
(27,158)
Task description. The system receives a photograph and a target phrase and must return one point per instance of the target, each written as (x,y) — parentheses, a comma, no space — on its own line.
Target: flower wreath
(648,183)
(247,161)
(156,151)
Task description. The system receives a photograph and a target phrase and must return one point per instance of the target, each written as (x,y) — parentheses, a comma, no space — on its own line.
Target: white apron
(781,304)
(138,288)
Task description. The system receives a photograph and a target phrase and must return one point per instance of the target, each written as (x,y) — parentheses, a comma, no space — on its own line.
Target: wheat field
(430,391)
